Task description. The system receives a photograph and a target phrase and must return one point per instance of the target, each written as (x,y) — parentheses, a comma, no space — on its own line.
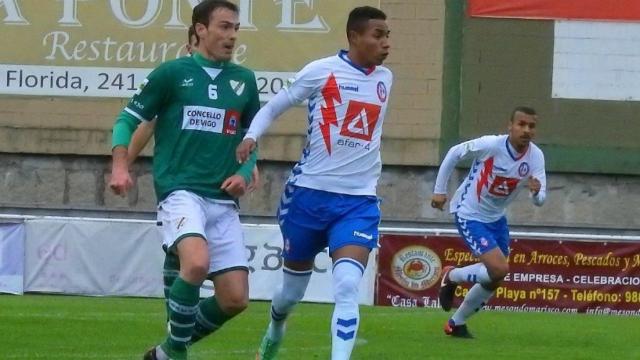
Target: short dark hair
(360,16)
(191,33)
(203,11)
(523,109)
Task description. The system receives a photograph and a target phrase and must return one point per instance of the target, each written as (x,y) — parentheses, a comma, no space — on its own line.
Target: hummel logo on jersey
(348,87)
(237,86)
(187,82)
(362,235)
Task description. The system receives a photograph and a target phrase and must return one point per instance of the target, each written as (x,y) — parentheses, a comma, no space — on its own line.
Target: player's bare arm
(255,180)
(244,149)
(140,138)
(120,182)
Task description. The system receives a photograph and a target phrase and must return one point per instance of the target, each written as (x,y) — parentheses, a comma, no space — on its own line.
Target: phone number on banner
(100,81)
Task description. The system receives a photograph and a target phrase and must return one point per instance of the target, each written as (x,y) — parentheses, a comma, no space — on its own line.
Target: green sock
(209,318)
(183,304)
(170,273)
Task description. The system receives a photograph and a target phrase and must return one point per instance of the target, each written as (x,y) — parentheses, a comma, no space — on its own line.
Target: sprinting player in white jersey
(502,166)
(330,197)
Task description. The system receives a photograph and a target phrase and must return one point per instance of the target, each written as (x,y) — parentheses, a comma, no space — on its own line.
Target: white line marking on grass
(284,349)
(83,316)
(74,355)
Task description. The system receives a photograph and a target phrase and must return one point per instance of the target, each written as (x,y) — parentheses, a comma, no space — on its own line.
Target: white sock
(160,354)
(476,298)
(289,293)
(347,274)
(476,273)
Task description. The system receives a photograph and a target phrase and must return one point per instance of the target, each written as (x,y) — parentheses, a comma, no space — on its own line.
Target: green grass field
(69,327)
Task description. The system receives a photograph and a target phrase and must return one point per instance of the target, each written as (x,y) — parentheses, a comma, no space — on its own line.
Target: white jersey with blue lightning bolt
(347,106)
(496,176)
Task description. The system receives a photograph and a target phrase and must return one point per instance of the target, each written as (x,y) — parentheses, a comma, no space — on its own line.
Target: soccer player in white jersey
(502,165)
(330,197)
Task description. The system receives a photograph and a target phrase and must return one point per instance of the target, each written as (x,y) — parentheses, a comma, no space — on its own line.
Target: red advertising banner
(545,275)
(618,10)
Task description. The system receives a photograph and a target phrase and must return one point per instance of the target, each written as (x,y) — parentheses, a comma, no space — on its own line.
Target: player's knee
(234,304)
(194,272)
(346,288)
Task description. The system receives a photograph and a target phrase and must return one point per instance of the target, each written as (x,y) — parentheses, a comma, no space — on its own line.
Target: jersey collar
(512,151)
(204,62)
(342,54)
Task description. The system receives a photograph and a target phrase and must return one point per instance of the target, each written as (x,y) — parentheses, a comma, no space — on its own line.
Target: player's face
(522,129)
(373,43)
(219,38)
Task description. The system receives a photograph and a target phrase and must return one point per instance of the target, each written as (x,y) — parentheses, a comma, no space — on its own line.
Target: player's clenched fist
(438,200)
(534,185)
(120,182)
(234,185)
(244,149)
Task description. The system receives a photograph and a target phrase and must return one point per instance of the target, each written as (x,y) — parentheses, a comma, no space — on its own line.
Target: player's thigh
(225,239)
(356,227)
(478,237)
(181,215)
(303,223)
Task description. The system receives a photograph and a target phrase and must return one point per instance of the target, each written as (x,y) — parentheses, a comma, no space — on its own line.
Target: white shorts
(184,214)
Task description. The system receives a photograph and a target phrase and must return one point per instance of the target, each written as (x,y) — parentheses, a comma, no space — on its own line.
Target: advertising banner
(545,275)
(124,258)
(622,10)
(11,257)
(106,48)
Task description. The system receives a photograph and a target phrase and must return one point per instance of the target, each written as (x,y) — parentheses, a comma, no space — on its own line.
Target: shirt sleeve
(540,174)
(123,129)
(151,95)
(298,90)
(246,168)
(470,149)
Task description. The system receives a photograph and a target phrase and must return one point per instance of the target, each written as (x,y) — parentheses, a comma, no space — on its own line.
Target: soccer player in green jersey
(203,104)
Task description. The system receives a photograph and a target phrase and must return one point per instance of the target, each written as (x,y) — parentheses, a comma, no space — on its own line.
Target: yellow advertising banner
(105,48)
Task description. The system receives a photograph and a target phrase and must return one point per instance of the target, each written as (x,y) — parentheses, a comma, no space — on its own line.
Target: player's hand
(255,180)
(244,150)
(120,181)
(438,201)
(234,186)
(534,185)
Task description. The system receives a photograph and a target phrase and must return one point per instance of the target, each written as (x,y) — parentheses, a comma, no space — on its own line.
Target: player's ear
(200,29)
(352,36)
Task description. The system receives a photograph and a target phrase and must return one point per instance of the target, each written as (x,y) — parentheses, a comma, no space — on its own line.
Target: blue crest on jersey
(523,169)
